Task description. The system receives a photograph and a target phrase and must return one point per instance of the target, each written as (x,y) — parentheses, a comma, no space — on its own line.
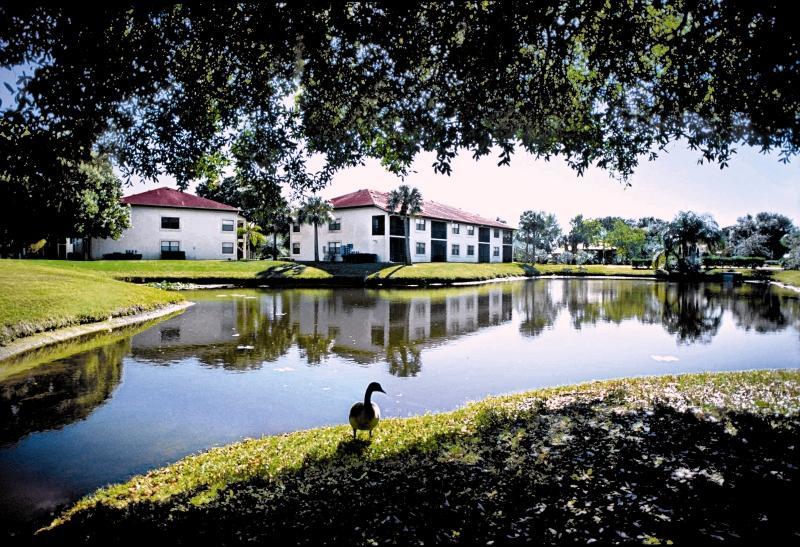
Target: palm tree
(252,235)
(406,202)
(279,221)
(315,211)
(682,235)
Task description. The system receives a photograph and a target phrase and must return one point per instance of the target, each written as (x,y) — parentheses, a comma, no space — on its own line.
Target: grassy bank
(38,297)
(677,458)
(270,272)
(192,270)
(789,277)
(440,272)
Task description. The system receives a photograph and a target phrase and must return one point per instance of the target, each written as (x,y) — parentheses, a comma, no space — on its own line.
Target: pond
(246,363)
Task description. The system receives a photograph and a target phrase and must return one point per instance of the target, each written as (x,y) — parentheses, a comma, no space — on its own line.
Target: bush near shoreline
(698,457)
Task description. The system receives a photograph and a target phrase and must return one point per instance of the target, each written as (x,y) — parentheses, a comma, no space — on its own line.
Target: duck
(366,415)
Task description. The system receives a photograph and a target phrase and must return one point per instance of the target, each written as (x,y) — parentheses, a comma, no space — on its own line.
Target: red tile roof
(430,209)
(167,197)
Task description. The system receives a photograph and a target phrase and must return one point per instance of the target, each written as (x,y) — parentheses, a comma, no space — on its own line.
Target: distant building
(440,233)
(166,223)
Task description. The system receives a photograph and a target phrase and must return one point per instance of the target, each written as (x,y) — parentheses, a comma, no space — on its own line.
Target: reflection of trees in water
(396,326)
(59,393)
(537,307)
(404,358)
(689,313)
(760,308)
(314,347)
(403,354)
(264,336)
(592,301)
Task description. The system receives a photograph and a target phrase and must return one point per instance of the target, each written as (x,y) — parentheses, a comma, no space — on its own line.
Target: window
(496,251)
(456,228)
(397,226)
(377,335)
(507,237)
(335,225)
(167,246)
(420,248)
(421,224)
(496,232)
(227,248)
(295,248)
(470,250)
(378,225)
(335,247)
(295,228)
(227,225)
(470,230)
(455,250)
(170,223)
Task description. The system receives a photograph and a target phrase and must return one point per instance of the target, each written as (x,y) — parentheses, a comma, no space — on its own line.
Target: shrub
(643,263)
(360,258)
(733,261)
(122,256)
(173,255)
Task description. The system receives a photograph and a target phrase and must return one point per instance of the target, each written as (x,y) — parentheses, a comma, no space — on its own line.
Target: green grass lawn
(670,458)
(199,270)
(450,272)
(789,277)
(36,296)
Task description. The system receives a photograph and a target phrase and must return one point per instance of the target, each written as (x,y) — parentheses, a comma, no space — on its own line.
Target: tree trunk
(528,250)
(274,244)
(533,256)
(316,244)
(408,240)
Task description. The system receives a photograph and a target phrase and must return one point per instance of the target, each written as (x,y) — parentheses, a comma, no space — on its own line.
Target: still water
(245,363)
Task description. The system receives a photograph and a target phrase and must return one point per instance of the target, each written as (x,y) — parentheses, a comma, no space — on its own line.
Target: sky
(752,183)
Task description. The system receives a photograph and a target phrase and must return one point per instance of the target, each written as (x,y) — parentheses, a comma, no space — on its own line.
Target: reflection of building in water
(246,330)
(363,326)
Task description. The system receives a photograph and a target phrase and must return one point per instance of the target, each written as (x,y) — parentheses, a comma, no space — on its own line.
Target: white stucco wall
(356,228)
(200,233)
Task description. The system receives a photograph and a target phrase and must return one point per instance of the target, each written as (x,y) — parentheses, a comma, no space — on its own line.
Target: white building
(440,233)
(166,223)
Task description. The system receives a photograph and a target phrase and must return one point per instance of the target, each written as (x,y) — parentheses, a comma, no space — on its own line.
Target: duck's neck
(368,397)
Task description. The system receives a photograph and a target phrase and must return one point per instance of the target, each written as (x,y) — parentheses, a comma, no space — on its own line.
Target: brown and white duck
(365,416)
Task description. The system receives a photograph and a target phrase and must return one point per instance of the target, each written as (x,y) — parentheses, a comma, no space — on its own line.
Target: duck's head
(375,386)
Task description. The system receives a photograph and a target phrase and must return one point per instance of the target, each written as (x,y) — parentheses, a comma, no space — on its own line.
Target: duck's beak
(383,392)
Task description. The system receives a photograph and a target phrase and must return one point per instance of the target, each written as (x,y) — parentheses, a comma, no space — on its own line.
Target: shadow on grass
(284,270)
(581,472)
(336,269)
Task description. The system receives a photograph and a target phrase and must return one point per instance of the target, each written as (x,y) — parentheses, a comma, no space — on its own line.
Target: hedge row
(733,261)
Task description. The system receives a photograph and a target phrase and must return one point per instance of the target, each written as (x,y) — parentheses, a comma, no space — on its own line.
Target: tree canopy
(290,92)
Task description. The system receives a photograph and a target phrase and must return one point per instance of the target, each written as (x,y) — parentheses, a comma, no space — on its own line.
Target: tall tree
(792,242)
(578,233)
(537,229)
(760,235)
(773,227)
(405,201)
(629,240)
(683,235)
(278,218)
(184,89)
(85,203)
(315,211)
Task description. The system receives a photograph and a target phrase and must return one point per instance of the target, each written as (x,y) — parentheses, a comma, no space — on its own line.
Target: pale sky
(751,183)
